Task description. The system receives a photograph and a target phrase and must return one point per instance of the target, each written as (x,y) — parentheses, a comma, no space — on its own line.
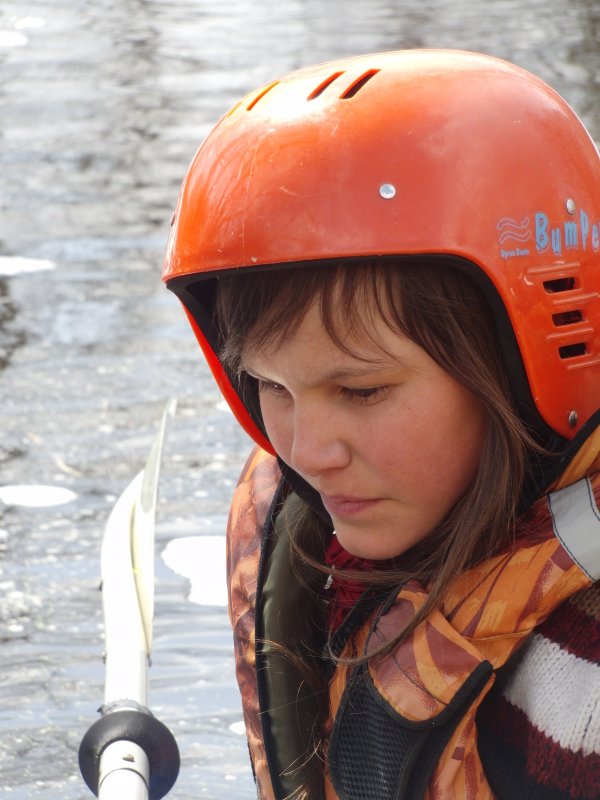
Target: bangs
(260,311)
(437,307)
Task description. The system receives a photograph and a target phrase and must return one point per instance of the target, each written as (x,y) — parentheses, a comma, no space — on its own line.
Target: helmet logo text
(568,235)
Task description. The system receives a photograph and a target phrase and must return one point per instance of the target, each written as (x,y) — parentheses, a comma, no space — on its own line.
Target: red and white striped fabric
(539,729)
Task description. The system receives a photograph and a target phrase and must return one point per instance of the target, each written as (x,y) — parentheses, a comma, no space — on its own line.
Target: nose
(320,443)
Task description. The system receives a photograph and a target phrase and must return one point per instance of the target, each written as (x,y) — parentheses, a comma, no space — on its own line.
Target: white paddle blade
(124,633)
(142,533)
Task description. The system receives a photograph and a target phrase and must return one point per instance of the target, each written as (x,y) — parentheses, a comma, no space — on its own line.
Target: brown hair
(443,311)
(440,309)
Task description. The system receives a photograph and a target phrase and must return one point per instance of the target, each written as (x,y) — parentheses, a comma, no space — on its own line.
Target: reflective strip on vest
(576,522)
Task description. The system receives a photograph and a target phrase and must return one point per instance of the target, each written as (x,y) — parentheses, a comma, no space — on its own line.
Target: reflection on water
(103,105)
(200,559)
(34,496)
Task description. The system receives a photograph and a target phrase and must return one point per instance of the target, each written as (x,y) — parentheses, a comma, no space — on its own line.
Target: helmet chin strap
(563,462)
(580,457)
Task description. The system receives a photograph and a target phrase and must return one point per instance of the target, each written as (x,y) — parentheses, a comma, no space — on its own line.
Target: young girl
(391,264)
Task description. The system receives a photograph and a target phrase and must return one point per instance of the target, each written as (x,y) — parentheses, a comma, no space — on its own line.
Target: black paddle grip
(132,725)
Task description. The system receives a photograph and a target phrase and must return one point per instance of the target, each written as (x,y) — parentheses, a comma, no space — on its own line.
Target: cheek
(458,446)
(277,425)
(438,443)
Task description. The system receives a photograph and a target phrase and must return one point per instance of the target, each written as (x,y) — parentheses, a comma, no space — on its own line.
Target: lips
(340,506)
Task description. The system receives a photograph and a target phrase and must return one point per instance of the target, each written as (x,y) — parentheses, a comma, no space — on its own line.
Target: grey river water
(102,105)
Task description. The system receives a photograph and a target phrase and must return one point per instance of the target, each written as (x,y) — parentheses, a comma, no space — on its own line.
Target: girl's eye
(364,395)
(270,386)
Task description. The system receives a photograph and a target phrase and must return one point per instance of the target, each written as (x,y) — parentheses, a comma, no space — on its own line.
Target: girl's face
(388,439)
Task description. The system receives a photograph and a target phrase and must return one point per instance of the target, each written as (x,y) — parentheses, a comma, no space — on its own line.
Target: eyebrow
(355,372)
(344,373)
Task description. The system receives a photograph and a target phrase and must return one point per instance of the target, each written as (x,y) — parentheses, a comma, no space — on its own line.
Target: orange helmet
(410,153)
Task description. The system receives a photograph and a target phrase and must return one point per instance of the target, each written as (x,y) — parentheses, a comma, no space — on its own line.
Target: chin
(368,550)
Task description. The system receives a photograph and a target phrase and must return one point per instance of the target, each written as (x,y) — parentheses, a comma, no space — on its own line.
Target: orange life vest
(403,726)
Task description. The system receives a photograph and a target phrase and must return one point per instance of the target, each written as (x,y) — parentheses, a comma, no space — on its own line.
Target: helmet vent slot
(322,86)
(559,285)
(358,84)
(567,318)
(260,95)
(572,350)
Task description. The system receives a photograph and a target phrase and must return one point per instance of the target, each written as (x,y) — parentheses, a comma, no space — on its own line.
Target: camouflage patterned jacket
(402,727)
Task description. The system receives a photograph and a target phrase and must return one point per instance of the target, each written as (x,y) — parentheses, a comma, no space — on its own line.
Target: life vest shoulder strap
(249,511)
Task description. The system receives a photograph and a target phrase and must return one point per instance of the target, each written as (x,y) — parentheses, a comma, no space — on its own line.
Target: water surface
(103,105)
